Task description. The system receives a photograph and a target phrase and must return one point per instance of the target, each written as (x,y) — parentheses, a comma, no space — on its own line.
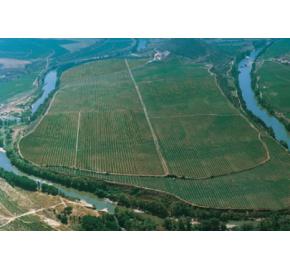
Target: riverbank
(248,94)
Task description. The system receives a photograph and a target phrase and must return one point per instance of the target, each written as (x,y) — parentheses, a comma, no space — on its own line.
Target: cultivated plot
(137,118)
(108,131)
(200,133)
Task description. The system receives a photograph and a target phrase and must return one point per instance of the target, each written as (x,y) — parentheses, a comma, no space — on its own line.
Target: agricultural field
(23,83)
(273,72)
(264,187)
(147,119)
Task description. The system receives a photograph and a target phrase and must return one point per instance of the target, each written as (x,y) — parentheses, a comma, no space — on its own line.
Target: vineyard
(177,116)
(58,135)
(120,136)
(220,149)
(264,187)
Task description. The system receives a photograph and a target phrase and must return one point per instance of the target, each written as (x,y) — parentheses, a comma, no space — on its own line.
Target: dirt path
(31,212)
(154,136)
(267,158)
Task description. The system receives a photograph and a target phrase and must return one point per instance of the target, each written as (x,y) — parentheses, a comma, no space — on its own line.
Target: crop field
(123,130)
(59,132)
(229,152)
(264,187)
(154,119)
(105,127)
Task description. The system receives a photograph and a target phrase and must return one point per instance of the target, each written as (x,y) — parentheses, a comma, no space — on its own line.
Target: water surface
(98,203)
(48,86)
(252,104)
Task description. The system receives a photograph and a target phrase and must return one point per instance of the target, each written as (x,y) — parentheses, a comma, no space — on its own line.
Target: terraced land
(143,119)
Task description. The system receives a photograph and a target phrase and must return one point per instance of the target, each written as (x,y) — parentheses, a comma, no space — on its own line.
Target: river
(48,86)
(252,104)
(99,203)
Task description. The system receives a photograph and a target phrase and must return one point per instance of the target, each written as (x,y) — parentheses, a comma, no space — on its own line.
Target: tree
(106,222)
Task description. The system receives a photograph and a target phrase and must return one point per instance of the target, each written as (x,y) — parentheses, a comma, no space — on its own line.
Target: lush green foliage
(104,223)
(18,181)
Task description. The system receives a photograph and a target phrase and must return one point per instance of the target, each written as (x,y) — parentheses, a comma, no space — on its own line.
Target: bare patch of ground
(78,45)
(11,63)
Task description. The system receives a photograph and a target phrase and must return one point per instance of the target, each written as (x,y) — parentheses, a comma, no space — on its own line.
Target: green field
(274,86)
(265,187)
(20,85)
(97,122)
(273,71)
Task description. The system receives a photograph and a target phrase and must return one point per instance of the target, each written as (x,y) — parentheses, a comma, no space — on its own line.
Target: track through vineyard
(155,139)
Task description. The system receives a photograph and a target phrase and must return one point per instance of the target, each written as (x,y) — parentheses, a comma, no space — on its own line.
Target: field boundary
(194,115)
(35,124)
(174,177)
(265,146)
(154,136)
(177,196)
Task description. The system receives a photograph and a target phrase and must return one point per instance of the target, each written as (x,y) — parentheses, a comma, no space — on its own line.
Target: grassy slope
(23,83)
(15,202)
(22,210)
